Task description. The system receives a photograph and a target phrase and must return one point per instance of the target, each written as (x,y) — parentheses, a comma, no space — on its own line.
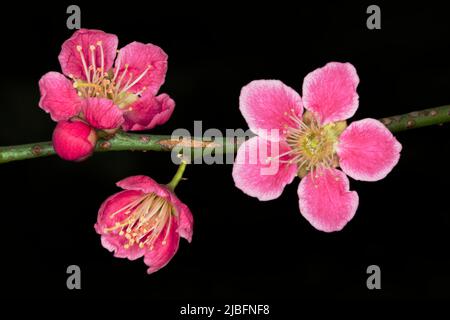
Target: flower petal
(186,222)
(367,150)
(102,113)
(258,177)
(70,57)
(163,252)
(116,244)
(144,184)
(143,59)
(148,112)
(268,105)
(330,92)
(325,200)
(113,204)
(108,216)
(58,96)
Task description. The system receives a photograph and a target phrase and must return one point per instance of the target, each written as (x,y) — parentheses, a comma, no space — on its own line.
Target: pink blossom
(74,140)
(313,145)
(106,93)
(146,219)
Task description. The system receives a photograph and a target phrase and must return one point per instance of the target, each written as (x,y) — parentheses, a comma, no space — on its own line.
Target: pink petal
(144,184)
(163,253)
(112,241)
(148,112)
(186,220)
(325,200)
(70,58)
(139,56)
(267,105)
(367,150)
(113,204)
(116,245)
(108,244)
(58,96)
(258,177)
(330,91)
(102,113)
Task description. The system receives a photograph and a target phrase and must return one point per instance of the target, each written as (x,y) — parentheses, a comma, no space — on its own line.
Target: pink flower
(104,93)
(312,146)
(145,220)
(74,140)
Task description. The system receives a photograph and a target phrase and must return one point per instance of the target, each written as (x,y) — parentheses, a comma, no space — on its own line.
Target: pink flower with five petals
(104,90)
(312,145)
(146,219)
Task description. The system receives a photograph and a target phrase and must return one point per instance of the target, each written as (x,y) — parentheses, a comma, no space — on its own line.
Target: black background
(243,250)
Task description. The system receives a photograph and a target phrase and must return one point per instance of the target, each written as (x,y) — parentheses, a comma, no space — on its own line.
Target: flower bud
(74,140)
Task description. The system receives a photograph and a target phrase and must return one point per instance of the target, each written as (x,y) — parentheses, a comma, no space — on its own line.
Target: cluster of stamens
(312,145)
(144,220)
(106,83)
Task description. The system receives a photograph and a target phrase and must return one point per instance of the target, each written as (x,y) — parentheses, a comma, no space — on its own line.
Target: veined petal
(144,61)
(148,112)
(58,96)
(330,92)
(325,200)
(144,184)
(186,220)
(163,252)
(116,245)
(257,169)
(269,105)
(70,58)
(102,113)
(367,150)
(110,213)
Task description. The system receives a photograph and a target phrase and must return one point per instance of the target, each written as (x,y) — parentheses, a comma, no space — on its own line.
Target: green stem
(418,119)
(178,176)
(144,142)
